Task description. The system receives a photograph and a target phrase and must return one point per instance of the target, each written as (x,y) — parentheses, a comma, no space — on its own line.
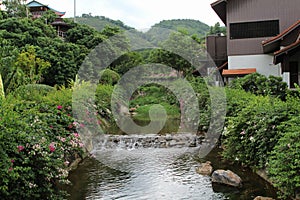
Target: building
(38,9)
(61,27)
(262,36)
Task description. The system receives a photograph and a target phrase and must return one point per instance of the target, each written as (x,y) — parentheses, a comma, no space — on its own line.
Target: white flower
(251,139)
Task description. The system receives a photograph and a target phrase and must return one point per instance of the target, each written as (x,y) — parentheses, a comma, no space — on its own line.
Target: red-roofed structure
(37,9)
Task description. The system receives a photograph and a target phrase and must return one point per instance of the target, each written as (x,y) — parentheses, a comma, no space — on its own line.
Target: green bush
(37,143)
(109,77)
(143,111)
(204,100)
(261,85)
(237,100)
(253,132)
(156,94)
(103,103)
(153,94)
(32,92)
(284,162)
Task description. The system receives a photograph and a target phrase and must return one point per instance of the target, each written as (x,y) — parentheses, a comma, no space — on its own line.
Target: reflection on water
(157,174)
(171,126)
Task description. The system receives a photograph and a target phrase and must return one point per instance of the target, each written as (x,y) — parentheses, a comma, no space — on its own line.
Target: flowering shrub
(284,162)
(38,141)
(263,133)
(261,85)
(253,132)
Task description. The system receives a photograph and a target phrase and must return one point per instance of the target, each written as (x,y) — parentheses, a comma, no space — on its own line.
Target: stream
(125,170)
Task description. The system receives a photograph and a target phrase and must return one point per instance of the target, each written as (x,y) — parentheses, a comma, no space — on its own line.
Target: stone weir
(178,140)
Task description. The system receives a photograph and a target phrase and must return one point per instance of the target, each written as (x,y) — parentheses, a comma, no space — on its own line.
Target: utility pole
(74,11)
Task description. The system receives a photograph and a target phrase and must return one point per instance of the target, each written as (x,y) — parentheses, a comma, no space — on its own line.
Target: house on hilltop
(262,36)
(38,9)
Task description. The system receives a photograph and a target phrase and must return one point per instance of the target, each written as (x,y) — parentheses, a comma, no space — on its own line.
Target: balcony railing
(61,34)
(37,14)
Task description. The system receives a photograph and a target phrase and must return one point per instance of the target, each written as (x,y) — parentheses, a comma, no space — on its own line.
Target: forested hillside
(191,26)
(53,61)
(99,22)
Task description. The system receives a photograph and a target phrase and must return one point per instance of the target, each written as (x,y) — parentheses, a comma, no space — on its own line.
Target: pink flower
(51,126)
(12,161)
(76,135)
(75,123)
(63,139)
(243,132)
(52,147)
(10,169)
(20,148)
(81,125)
(59,107)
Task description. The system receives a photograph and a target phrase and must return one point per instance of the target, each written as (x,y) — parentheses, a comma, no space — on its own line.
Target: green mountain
(162,30)
(156,34)
(99,22)
(193,27)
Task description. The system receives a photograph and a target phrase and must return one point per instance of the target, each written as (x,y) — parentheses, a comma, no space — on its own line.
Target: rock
(227,178)
(263,198)
(74,164)
(205,169)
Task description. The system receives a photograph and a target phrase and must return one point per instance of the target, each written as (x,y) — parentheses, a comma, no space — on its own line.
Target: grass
(172,111)
(150,95)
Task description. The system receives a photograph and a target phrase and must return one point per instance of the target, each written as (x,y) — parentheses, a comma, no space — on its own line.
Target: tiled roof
(281,35)
(285,50)
(35,4)
(220,8)
(38,4)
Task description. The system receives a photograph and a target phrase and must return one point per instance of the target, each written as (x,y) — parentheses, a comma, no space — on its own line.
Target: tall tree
(179,51)
(15,8)
(23,68)
(217,29)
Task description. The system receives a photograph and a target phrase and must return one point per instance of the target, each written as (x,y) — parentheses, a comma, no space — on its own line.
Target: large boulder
(263,198)
(205,168)
(226,177)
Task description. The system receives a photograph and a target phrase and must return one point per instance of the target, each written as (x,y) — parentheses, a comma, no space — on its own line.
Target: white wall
(286,78)
(263,64)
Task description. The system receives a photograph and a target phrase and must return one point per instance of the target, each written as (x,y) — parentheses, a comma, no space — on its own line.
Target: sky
(140,14)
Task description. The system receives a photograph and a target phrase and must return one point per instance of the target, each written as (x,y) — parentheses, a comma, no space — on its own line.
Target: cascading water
(149,141)
(154,167)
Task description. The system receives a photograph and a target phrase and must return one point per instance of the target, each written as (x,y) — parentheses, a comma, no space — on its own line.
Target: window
(254,29)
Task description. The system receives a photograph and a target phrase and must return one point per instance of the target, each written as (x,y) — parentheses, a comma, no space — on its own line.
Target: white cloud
(140,13)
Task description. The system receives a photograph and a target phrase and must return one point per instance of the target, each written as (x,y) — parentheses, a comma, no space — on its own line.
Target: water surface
(158,173)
